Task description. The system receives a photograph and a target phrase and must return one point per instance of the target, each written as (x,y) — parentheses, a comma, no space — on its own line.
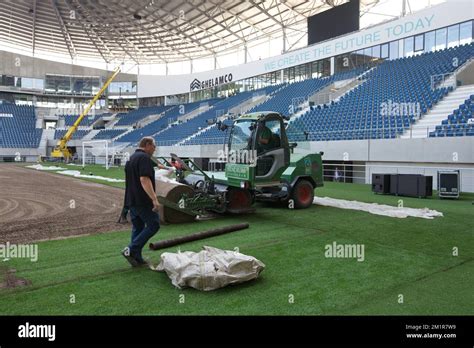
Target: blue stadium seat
(132,117)
(79,134)
(108,134)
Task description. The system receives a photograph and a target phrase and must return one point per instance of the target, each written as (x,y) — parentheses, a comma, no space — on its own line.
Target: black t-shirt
(139,165)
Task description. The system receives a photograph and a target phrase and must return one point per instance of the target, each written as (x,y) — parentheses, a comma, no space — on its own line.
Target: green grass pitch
(410,257)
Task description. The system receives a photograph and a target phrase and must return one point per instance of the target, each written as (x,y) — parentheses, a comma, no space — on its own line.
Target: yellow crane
(61,149)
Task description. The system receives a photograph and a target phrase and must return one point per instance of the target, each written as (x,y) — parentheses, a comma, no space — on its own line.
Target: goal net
(103,152)
(95,152)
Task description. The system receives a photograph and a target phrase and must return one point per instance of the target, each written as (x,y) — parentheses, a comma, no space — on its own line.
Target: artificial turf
(411,257)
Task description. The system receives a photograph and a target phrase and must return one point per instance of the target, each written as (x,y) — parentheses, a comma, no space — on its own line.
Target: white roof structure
(154,31)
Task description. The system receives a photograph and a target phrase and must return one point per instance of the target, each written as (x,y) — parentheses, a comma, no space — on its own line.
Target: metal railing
(449,79)
(323,98)
(298,104)
(443,81)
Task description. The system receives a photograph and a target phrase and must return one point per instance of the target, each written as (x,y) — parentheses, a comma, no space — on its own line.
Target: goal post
(95,152)
(104,152)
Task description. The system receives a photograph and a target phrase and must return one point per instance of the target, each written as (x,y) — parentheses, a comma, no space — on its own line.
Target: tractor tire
(302,194)
(238,200)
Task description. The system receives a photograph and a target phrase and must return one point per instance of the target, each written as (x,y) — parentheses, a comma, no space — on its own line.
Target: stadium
(359,114)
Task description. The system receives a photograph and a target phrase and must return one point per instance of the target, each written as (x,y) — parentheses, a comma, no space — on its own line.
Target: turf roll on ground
(197,236)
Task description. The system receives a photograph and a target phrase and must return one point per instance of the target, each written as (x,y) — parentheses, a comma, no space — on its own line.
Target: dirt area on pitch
(36,205)
(9,280)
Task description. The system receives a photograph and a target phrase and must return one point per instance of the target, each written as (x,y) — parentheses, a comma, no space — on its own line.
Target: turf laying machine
(260,166)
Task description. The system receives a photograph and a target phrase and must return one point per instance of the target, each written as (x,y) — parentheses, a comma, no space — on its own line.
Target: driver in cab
(266,140)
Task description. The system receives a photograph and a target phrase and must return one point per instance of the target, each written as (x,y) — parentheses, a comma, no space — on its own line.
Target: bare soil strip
(36,205)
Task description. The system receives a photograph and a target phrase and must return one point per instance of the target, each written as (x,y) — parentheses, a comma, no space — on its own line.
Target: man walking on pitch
(140,198)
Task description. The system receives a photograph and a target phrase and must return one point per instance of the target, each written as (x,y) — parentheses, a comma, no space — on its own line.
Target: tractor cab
(260,140)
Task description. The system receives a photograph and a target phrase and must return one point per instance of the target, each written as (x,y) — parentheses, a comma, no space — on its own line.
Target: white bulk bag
(209,269)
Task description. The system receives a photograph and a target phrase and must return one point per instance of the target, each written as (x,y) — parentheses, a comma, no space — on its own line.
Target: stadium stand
(86,122)
(280,101)
(105,114)
(132,117)
(179,132)
(171,115)
(79,134)
(357,115)
(108,134)
(17,126)
(459,123)
(212,135)
(283,99)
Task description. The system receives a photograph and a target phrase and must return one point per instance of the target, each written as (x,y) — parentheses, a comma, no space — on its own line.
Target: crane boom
(61,149)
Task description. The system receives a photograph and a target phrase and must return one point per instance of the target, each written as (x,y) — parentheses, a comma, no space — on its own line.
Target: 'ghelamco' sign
(204,84)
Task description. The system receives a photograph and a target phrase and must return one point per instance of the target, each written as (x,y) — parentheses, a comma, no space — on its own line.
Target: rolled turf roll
(196,236)
(173,191)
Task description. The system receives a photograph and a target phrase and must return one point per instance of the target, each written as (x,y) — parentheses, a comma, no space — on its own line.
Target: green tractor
(260,166)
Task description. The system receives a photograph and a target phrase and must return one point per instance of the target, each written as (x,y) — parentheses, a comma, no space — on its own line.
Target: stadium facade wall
(431,18)
(456,150)
(428,169)
(26,155)
(467,75)
(24,66)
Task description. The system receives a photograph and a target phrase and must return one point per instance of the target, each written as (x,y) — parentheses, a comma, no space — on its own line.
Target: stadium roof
(152,31)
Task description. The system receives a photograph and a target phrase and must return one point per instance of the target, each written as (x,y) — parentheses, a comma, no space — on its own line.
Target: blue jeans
(146,224)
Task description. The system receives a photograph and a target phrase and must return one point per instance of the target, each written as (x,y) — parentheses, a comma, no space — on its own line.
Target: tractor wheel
(238,200)
(302,194)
